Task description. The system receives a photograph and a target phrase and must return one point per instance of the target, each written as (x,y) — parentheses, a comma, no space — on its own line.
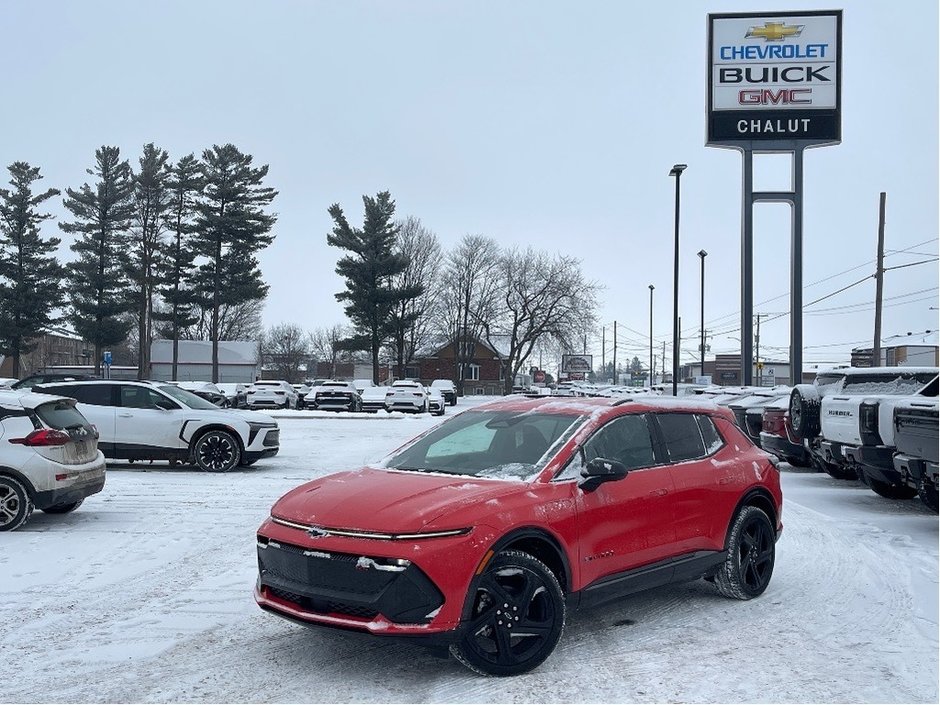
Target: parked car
(49,457)
(748,410)
(236,393)
(853,437)
(362,384)
(776,436)
(28,383)
(334,395)
(916,441)
(448,390)
(205,390)
(803,416)
(7,382)
(373,399)
(160,421)
(436,401)
(479,534)
(271,394)
(407,395)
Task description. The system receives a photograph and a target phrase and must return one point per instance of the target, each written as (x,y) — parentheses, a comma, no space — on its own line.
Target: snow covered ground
(145,594)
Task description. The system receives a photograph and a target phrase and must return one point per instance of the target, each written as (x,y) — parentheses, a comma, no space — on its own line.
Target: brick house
(483,375)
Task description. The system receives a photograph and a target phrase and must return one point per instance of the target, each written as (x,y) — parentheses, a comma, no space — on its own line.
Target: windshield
(186,398)
(496,444)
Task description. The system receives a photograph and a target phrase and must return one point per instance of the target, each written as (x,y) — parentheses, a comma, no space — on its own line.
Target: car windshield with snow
(480,534)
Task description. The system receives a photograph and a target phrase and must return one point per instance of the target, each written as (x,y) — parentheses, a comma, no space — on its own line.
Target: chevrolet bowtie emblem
(316,532)
(775,31)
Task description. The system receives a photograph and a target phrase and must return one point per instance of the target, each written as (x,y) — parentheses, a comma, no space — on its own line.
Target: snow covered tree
(231,227)
(151,201)
(176,267)
(369,270)
(98,282)
(30,274)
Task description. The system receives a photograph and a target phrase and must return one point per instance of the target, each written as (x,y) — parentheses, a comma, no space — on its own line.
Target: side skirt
(673,570)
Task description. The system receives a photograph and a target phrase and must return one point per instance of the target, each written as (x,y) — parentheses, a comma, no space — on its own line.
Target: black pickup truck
(916,441)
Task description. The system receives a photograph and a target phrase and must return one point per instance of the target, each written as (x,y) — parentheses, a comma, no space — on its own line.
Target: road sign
(107,357)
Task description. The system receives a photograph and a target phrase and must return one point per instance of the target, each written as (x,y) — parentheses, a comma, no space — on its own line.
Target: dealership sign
(775,76)
(577,363)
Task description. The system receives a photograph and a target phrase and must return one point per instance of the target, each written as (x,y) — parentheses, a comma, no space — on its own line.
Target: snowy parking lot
(145,595)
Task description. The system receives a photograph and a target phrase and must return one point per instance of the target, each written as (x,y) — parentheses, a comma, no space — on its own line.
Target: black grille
(323,606)
(272,438)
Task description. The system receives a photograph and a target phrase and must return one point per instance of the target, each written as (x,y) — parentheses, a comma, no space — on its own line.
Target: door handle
(661,492)
(126,416)
(725,480)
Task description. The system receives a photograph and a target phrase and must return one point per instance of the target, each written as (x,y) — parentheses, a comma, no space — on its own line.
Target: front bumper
(781,447)
(397,588)
(832,452)
(914,470)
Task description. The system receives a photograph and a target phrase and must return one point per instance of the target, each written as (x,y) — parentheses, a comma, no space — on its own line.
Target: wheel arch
(756,497)
(203,430)
(21,478)
(540,544)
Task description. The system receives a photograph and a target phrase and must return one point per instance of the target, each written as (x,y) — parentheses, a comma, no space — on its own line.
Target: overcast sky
(536,123)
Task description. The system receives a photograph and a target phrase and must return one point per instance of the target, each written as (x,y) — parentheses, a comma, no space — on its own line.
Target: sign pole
(747,269)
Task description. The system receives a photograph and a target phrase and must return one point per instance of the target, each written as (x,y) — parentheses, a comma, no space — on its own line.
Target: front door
(627,523)
(144,426)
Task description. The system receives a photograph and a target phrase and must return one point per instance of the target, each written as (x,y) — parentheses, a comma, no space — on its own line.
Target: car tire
(15,504)
(803,418)
(746,571)
(515,592)
(889,491)
(217,451)
(63,508)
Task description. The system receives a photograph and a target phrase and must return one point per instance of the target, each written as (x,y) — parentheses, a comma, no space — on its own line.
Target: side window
(713,441)
(94,394)
(682,436)
(625,439)
(139,398)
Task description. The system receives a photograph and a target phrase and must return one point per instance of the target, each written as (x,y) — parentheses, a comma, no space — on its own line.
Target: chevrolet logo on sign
(775,31)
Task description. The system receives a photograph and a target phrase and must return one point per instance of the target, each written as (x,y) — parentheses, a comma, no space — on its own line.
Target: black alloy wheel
(217,451)
(517,615)
(751,550)
(15,504)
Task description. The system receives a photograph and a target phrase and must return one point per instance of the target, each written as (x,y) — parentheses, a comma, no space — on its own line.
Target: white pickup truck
(857,423)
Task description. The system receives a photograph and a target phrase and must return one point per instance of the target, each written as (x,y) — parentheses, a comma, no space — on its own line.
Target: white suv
(49,457)
(272,394)
(407,395)
(159,421)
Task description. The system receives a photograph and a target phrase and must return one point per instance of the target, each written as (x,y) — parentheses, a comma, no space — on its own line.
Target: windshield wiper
(408,468)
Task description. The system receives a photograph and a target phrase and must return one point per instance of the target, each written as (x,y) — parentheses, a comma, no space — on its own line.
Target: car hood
(390,502)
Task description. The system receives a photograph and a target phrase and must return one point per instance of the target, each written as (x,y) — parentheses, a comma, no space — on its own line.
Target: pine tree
(368,270)
(99,287)
(151,200)
(30,275)
(232,227)
(176,268)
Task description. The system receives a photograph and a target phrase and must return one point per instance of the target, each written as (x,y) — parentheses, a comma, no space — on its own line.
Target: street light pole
(652,381)
(676,171)
(702,254)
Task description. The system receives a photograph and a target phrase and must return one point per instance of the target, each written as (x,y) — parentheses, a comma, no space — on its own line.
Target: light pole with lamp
(676,171)
(702,254)
(652,381)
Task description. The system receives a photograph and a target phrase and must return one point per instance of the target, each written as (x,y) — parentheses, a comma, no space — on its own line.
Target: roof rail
(625,400)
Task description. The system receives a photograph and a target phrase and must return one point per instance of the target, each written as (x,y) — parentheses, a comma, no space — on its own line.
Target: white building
(238,360)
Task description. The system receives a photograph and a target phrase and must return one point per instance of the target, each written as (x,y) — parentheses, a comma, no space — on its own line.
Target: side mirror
(601,470)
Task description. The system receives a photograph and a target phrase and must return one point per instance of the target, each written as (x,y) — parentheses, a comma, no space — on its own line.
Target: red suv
(481,533)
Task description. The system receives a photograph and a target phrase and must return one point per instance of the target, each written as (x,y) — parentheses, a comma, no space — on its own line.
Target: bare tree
(326,346)
(236,322)
(286,348)
(541,297)
(466,298)
(411,319)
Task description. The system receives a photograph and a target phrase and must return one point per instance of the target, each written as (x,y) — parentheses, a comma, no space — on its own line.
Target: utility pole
(604,350)
(585,345)
(615,353)
(879,283)
(663,366)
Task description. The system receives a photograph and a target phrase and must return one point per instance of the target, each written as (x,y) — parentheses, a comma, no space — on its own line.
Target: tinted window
(60,415)
(682,436)
(95,394)
(626,440)
(709,434)
(140,398)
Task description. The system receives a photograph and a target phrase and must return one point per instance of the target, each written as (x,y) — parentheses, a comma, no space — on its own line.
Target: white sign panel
(577,363)
(774,76)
